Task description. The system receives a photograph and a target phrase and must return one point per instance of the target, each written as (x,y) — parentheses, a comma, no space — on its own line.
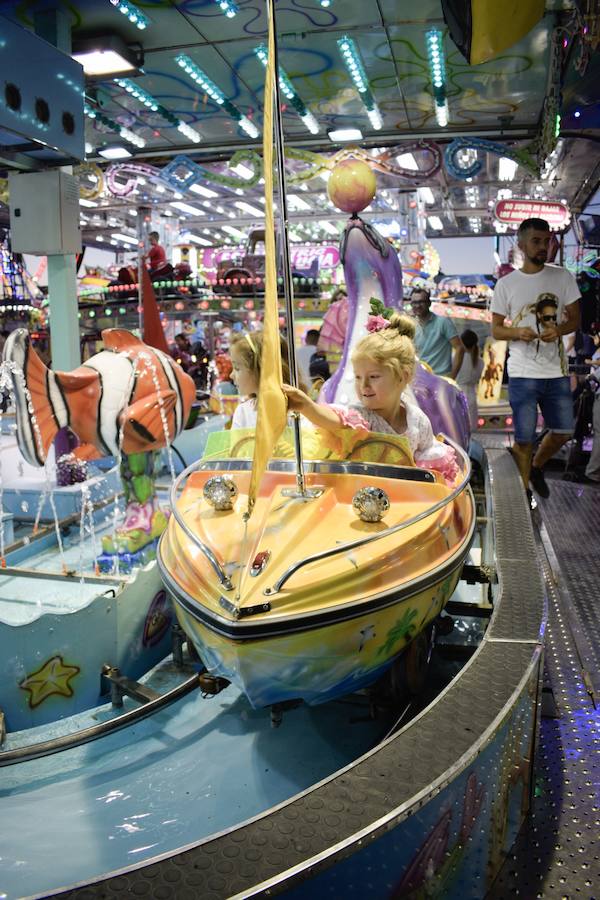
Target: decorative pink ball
(351,185)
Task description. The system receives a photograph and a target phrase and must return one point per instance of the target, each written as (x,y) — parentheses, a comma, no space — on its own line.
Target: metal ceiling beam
(220,152)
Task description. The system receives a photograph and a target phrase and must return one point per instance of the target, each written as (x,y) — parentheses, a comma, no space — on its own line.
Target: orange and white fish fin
(77,380)
(86,451)
(118,339)
(39,402)
(143,427)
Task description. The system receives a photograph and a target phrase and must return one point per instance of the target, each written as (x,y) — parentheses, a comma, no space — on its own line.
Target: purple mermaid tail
(372,269)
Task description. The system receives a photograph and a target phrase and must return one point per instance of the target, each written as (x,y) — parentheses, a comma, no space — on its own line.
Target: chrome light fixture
(220,492)
(370,504)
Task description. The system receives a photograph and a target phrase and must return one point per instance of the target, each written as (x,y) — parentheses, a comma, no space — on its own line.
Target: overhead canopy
(348,64)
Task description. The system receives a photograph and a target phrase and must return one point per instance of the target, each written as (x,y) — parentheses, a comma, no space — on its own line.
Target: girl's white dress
(245,414)
(428,452)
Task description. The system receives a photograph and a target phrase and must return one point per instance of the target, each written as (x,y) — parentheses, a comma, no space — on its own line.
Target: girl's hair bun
(404,325)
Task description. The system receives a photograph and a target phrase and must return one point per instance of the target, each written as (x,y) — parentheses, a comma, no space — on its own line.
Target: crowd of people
(534,309)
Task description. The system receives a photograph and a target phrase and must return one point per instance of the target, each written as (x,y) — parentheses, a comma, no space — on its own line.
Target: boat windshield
(317,444)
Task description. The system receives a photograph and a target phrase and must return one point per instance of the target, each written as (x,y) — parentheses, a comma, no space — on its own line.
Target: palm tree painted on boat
(403,629)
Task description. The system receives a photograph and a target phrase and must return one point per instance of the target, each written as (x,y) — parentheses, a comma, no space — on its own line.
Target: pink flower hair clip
(376,323)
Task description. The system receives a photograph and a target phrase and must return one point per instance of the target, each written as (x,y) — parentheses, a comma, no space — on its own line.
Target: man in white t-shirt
(541,302)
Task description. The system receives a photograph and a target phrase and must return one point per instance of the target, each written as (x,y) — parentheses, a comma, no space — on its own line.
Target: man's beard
(538,259)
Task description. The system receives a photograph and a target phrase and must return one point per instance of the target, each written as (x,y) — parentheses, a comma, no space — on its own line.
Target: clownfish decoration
(129,397)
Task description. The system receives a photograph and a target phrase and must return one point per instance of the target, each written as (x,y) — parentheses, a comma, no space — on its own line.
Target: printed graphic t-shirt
(516,296)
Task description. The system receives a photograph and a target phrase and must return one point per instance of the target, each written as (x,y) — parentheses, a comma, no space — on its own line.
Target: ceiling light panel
(426,195)
(103,62)
(125,238)
(507,169)
(186,208)
(114,152)
(328,227)
(345,134)
(297,203)
(407,161)
(246,207)
(235,232)
(228,7)
(202,191)
(435,222)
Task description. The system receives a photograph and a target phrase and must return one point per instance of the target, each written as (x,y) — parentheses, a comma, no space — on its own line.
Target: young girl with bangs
(245,351)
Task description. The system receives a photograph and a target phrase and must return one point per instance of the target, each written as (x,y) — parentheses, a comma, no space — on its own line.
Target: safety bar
(93,732)
(353,545)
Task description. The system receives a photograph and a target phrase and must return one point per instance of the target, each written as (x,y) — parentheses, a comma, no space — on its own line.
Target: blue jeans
(552,395)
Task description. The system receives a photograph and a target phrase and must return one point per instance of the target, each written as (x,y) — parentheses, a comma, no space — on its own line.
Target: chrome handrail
(212,559)
(361,542)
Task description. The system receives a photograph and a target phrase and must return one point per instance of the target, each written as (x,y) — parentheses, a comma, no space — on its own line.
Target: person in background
(435,336)
(541,302)
(319,368)
(339,295)
(225,383)
(470,372)
(334,327)
(305,353)
(156,256)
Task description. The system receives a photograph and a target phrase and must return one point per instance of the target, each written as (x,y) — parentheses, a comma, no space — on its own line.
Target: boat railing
(325,554)
(394,529)
(204,548)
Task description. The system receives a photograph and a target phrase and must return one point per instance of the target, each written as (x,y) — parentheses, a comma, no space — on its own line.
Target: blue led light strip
(288,90)
(215,93)
(150,102)
(437,71)
(135,15)
(228,7)
(356,70)
(123,132)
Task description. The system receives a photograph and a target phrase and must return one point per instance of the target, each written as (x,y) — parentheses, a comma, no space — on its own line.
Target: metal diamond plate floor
(557,854)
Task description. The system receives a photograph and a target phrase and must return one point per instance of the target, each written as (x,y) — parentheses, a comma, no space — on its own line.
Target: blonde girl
(384,363)
(245,351)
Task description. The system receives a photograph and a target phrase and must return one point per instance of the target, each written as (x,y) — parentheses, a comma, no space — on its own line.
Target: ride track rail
(85,735)
(359,822)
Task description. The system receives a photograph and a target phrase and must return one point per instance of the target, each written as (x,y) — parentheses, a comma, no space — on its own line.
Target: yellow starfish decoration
(52,678)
